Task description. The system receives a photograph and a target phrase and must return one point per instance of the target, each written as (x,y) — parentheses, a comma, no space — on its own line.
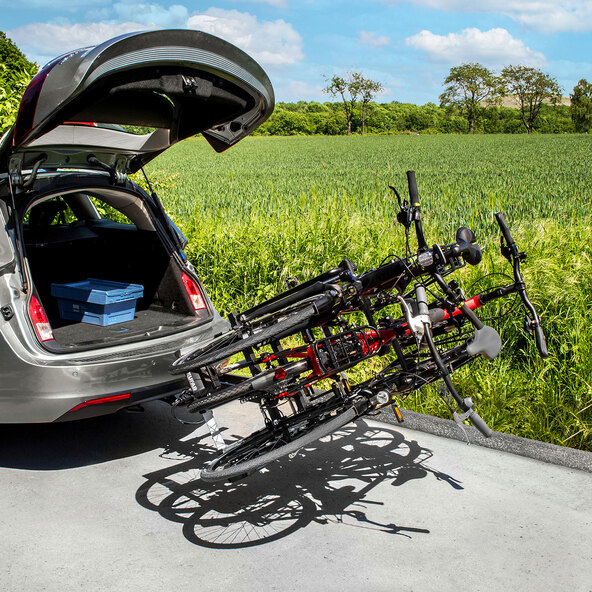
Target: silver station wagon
(97,298)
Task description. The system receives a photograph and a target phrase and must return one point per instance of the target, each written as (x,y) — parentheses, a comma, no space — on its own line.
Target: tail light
(194,293)
(40,320)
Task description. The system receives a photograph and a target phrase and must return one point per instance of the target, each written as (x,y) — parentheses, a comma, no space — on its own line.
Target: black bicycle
(290,353)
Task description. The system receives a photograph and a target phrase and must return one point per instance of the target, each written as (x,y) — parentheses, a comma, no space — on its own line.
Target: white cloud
(549,17)
(278,3)
(42,42)
(271,43)
(543,15)
(495,47)
(152,14)
(373,39)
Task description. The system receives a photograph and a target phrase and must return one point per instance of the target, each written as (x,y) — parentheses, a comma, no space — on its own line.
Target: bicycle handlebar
(510,251)
(541,342)
(505,230)
(413,193)
(480,424)
(415,210)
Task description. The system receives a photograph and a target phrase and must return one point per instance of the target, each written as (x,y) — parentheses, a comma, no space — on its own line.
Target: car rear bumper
(45,388)
(110,403)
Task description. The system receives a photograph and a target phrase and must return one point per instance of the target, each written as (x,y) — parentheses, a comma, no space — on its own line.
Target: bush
(12,86)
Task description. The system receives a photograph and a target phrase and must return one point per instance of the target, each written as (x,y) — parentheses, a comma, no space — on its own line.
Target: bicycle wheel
(293,322)
(219,342)
(273,442)
(219,398)
(259,382)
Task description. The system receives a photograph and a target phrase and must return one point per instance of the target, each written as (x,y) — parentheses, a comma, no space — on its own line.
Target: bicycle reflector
(40,320)
(100,401)
(194,293)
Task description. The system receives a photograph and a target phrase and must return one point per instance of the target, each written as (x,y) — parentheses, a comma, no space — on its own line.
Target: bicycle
(289,382)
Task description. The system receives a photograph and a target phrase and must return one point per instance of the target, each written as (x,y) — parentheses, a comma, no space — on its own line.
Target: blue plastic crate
(99,302)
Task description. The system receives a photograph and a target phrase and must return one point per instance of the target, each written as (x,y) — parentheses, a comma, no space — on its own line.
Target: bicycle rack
(344,350)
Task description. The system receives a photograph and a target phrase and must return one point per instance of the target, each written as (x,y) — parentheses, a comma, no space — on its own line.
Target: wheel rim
(269,438)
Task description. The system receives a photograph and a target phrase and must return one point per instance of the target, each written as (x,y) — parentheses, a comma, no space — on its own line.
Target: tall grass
(270,208)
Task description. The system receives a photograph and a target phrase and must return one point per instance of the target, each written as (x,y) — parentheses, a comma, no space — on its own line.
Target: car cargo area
(67,241)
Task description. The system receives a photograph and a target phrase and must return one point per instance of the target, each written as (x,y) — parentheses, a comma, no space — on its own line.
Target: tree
(366,89)
(467,86)
(581,106)
(531,87)
(349,91)
(11,56)
(13,84)
(15,73)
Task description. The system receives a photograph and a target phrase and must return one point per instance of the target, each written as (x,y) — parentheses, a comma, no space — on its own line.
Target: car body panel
(67,138)
(7,259)
(181,82)
(40,386)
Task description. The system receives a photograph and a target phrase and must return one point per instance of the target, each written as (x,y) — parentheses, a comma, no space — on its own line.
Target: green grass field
(274,207)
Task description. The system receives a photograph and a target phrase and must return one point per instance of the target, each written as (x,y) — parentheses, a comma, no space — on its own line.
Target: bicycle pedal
(398,414)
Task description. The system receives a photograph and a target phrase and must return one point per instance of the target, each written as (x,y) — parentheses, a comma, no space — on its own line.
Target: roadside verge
(550,453)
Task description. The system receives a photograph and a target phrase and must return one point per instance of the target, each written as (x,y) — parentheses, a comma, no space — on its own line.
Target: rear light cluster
(194,293)
(40,320)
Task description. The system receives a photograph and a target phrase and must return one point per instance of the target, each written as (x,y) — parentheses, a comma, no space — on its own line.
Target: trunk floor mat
(145,323)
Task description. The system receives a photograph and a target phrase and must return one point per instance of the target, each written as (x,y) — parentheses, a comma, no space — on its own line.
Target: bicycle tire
(259,382)
(282,328)
(216,399)
(223,340)
(319,301)
(225,467)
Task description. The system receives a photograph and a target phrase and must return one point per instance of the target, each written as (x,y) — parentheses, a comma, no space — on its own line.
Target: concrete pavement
(116,504)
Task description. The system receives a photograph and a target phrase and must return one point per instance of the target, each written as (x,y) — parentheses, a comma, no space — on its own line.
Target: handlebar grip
(471,253)
(478,422)
(437,315)
(504,228)
(541,342)
(413,193)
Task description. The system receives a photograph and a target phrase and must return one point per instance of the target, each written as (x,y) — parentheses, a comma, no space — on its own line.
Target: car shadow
(327,482)
(85,442)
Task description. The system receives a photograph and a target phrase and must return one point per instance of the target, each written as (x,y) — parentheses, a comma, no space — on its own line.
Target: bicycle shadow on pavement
(327,482)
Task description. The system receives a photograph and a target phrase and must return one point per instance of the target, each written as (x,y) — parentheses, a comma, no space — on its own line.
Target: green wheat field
(275,207)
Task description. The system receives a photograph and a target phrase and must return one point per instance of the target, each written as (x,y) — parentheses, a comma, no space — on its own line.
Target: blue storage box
(99,302)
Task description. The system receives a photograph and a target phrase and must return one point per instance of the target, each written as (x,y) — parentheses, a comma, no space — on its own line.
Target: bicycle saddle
(486,342)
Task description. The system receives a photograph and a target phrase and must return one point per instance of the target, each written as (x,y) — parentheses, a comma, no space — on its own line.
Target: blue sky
(409,46)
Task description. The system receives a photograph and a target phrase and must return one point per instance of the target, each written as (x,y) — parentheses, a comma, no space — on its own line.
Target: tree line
(472,101)
(328,118)
(475,99)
